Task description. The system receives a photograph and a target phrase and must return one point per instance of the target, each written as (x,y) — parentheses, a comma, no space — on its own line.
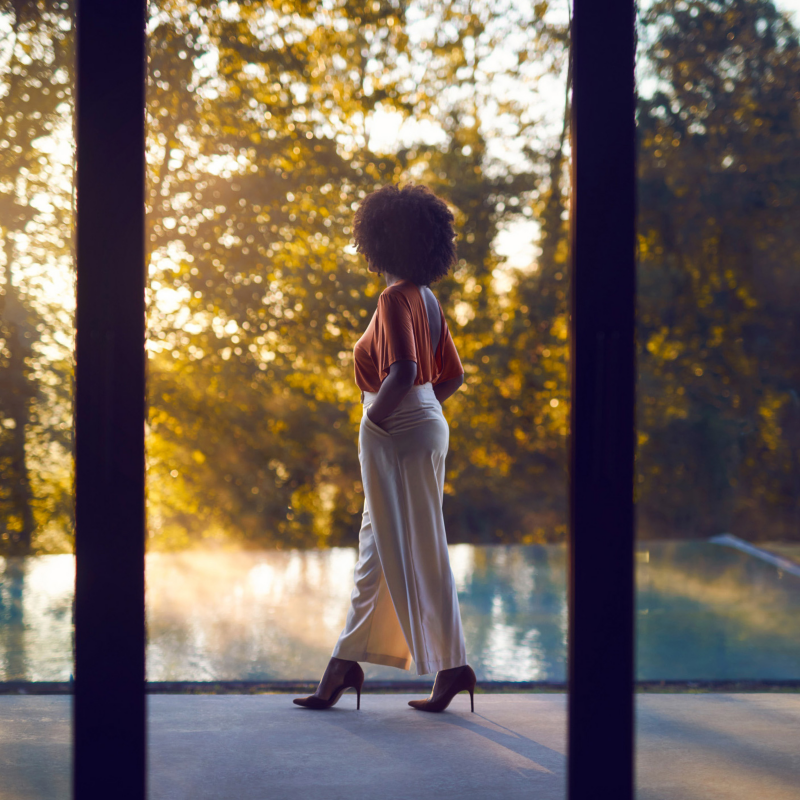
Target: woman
(404,606)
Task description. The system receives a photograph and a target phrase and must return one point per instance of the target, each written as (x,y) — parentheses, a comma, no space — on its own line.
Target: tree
(259,148)
(719,242)
(509,427)
(257,165)
(34,224)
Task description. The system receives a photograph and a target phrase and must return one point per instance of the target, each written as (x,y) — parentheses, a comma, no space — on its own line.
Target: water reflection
(708,612)
(36,618)
(513,604)
(703,612)
(276,615)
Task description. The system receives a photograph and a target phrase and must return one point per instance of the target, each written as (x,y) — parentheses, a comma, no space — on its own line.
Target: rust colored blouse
(399,331)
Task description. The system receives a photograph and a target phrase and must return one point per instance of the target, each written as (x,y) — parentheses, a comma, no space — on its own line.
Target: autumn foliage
(262,121)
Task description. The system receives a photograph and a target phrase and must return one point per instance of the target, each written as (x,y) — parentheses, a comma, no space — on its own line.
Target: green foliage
(719,278)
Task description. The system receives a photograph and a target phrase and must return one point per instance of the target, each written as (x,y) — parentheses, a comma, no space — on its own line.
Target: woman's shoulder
(402,292)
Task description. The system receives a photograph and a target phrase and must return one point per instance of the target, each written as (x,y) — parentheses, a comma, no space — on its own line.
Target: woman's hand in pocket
(372,420)
(394,388)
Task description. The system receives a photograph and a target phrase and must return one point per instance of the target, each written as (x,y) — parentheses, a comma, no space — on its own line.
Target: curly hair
(407,232)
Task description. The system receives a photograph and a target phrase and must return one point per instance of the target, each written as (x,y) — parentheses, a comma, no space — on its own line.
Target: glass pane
(718,484)
(36,346)
(257,159)
(268,125)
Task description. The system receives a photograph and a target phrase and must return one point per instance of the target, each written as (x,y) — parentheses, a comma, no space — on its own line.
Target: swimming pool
(704,612)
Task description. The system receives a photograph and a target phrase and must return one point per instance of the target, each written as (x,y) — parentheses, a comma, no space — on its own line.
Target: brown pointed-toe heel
(353,679)
(446,687)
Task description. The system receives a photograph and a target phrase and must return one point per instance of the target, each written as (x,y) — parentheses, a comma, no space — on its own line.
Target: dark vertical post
(601,656)
(109,703)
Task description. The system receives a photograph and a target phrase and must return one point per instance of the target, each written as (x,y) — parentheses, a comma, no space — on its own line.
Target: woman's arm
(396,385)
(445,389)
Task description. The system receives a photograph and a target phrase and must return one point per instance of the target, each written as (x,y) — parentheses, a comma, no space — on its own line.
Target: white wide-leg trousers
(404,606)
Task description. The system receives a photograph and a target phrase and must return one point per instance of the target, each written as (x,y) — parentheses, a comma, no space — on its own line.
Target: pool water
(704,612)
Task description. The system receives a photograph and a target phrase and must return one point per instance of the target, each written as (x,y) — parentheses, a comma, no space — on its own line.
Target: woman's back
(434,315)
(408,326)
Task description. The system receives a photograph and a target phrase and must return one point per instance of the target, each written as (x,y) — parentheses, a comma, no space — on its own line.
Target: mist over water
(704,612)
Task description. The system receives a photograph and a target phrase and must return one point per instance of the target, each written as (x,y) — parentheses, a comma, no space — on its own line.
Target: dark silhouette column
(109,704)
(601,655)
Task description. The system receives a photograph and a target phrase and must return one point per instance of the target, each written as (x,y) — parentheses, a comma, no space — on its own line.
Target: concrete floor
(235,747)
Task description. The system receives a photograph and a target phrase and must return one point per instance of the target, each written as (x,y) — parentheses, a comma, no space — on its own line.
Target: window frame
(109,709)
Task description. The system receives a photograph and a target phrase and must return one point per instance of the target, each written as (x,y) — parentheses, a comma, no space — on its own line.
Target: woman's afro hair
(407,232)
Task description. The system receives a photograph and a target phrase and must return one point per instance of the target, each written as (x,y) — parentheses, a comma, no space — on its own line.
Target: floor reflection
(704,612)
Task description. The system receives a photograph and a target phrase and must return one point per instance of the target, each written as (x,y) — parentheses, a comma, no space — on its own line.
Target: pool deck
(709,746)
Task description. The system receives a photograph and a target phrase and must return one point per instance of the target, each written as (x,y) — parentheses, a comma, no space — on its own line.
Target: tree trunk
(19,522)
(552,223)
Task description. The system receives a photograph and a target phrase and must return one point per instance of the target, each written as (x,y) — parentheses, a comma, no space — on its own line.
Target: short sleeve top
(399,331)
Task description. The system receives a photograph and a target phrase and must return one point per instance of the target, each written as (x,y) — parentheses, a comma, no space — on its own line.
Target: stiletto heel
(353,679)
(458,679)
